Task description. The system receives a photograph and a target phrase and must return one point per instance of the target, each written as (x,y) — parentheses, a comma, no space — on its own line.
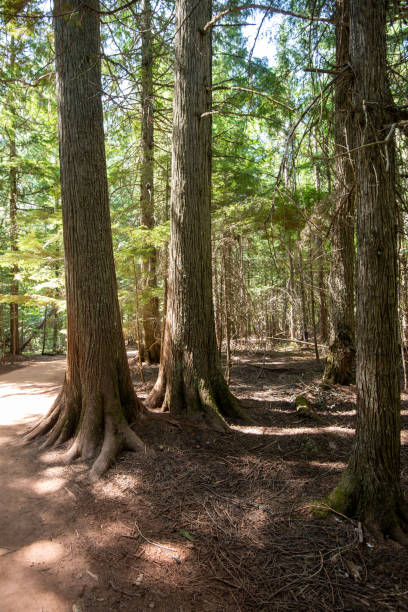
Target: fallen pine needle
(153,543)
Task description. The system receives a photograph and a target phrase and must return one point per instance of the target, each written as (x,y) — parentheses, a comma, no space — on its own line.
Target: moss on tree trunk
(370,488)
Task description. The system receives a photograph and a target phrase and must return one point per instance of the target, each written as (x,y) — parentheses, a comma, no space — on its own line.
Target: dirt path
(208,523)
(31,552)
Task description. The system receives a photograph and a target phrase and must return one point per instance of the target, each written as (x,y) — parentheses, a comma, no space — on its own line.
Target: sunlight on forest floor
(212,521)
(18,389)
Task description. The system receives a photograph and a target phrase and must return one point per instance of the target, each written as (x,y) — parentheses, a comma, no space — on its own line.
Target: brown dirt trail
(30,550)
(210,522)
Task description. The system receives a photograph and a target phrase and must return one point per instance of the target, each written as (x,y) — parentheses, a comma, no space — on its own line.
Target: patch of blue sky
(261,35)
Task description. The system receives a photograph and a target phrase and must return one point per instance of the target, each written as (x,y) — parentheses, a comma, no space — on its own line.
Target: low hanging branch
(264,7)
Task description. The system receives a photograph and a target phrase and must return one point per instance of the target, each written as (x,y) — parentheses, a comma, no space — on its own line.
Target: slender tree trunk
(97,401)
(341,355)
(218,304)
(55,328)
(39,326)
(150,308)
(312,298)
(324,323)
(292,294)
(227,257)
(370,488)
(284,324)
(14,334)
(404,298)
(305,333)
(190,381)
(44,330)
(2,334)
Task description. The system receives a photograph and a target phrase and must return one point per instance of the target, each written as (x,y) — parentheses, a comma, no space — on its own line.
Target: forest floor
(210,522)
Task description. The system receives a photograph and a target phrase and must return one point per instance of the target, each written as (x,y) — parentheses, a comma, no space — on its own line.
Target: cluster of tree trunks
(97,403)
(370,487)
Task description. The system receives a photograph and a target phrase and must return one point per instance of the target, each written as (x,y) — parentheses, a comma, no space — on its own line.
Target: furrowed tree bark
(150,308)
(340,362)
(370,487)
(97,402)
(190,381)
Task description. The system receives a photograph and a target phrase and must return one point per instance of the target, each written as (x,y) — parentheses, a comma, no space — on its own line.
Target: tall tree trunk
(341,355)
(218,300)
(370,488)
(292,294)
(150,308)
(14,335)
(227,261)
(44,330)
(312,297)
(2,334)
(97,401)
(55,333)
(404,298)
(324,323)
(304,333)
(190,381)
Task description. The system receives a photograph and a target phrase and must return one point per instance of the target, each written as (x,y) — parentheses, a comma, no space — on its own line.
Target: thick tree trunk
(341,355)
(97,402)
(190,381)
(370,487)
(150,308)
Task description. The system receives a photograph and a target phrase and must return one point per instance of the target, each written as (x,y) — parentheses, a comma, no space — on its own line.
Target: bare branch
(257,93)
(263,7)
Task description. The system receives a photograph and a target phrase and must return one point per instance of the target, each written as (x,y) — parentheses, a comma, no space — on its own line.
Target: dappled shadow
(30,550)
(210,522)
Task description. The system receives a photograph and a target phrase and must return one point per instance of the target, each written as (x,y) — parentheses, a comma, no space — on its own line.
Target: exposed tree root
(200,401)
(99,430)
(382,509)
